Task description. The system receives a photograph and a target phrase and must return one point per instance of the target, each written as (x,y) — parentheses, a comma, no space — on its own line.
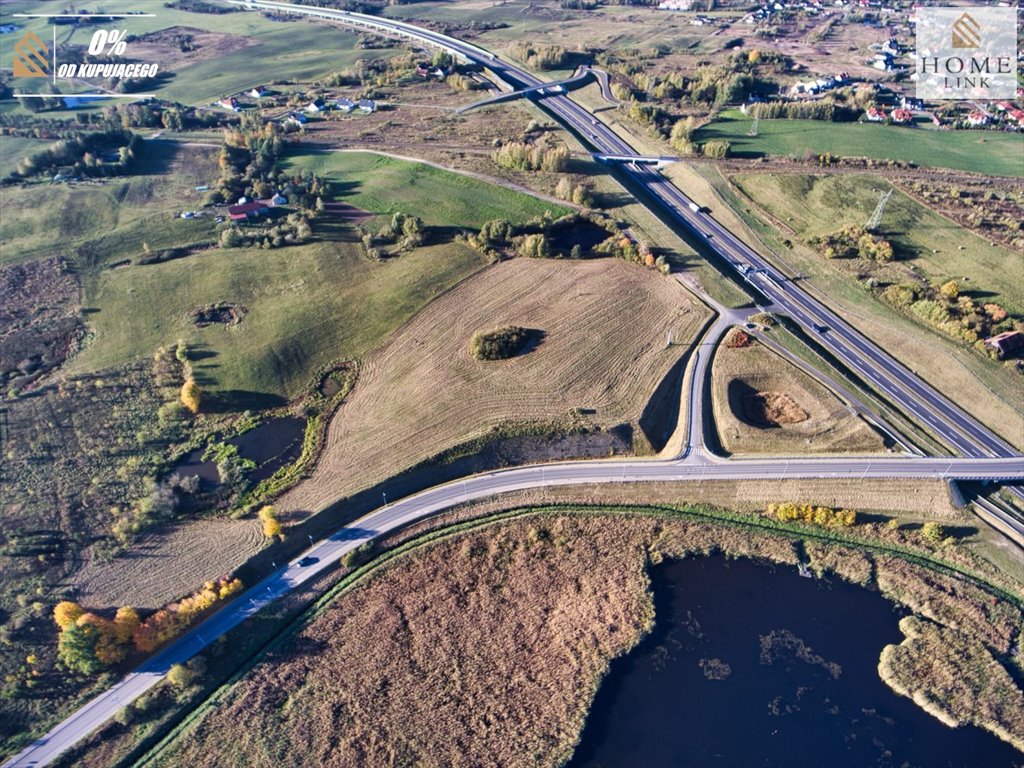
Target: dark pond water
(585,234)
(271,445)
(697,691)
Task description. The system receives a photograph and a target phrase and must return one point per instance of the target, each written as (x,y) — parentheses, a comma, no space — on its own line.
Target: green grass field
(306,304)
(385,185)
(980,151)
(937,247)
(96,223)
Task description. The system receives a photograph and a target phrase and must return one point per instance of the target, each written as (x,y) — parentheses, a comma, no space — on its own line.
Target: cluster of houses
(343,105)
(247,210)
(821,85)
(316,106)
(899,115)
(762,13)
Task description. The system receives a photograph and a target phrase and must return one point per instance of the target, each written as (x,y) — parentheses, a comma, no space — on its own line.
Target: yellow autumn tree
(190,396)
(126,621)
(66,613)
(271,525)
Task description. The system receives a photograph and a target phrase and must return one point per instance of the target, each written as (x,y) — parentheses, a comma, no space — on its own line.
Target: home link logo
(966,55)
(966,32)
(31,57)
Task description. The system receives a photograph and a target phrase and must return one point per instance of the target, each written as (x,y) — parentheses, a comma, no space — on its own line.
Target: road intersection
(985,456)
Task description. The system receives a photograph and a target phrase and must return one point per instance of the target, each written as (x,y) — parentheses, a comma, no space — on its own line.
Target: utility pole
(876,217)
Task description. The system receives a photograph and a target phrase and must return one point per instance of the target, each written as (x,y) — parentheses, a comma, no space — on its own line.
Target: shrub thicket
(499,344)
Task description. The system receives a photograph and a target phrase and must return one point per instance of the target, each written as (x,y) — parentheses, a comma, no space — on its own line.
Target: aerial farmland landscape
(584,383)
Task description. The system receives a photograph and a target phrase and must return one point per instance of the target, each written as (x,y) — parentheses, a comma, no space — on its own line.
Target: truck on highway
(694,207)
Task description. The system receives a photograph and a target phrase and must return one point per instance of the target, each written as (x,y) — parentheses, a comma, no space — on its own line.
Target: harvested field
(165,564)
(764,404)
(605,324)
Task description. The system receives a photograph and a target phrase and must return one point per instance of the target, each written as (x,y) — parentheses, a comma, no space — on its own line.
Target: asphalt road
(944,419)
(988,457)
(695,467)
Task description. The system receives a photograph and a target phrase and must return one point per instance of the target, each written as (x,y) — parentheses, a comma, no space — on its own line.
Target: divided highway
(944,419)
(987,457)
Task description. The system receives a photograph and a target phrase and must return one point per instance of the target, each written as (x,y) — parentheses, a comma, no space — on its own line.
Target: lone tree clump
(500,343)
(190,396)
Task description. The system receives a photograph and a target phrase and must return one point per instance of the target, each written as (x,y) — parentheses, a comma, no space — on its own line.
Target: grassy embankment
(992,392)
(764,404)
(581,587)
(989,152)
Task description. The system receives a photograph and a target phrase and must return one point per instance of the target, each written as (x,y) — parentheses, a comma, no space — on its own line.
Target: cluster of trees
(404,232)
(531,157)
(499,344)
(294,229)
(852,241)
(107,152)
(737,339)
(272,528)
(825,109)
(540,56)
(167,623)
(535,246)
(823,517)
(945,308)
(575,189)
(87,643)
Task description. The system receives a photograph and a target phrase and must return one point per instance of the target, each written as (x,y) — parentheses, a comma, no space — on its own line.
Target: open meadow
(763,404)
(601,327)
(978,151)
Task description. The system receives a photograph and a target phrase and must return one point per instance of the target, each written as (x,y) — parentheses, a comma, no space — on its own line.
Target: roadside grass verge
(990,152)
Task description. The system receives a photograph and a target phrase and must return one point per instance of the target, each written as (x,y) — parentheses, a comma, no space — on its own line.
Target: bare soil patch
(178,47)
(221,313)
(764,404)
(423,392)
(772,409)
(40,325)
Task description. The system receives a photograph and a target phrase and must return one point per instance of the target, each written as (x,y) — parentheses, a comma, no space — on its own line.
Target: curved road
(988,458)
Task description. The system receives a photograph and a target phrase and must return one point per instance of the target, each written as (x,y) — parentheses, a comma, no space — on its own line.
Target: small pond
(271,446)
(752,665)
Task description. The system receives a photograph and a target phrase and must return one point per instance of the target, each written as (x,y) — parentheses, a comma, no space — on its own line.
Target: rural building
(908,102)
(296,118)
(317,105)
(258,92)
(977,117)
(248,211)
(366,106)
(345,105)
(230,103)
(278,199)
(875,115)
(1007,344)
(902,116)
